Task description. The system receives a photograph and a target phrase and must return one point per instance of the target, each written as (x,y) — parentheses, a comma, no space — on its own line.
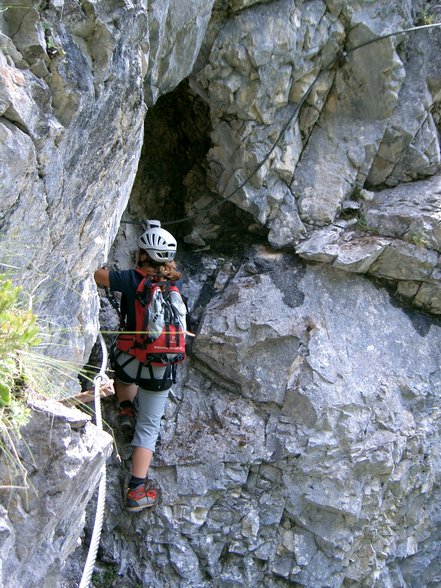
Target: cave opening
(176,141)
(174,180)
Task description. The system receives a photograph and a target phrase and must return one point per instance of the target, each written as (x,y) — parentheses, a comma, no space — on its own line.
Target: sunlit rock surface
(47,482)
(301,442)
(300,446)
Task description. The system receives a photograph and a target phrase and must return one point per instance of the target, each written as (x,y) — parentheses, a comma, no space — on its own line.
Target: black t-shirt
(126,282)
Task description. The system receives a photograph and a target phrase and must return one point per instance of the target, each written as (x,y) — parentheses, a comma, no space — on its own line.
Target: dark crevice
(10,117)
(177,138)
(172,177)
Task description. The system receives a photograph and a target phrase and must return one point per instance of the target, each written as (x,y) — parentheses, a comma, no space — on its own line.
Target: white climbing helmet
(159,243)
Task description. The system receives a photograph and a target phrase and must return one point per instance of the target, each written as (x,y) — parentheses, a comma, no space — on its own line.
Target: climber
(141,388)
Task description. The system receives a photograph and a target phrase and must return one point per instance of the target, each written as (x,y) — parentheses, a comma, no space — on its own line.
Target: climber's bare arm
(101,277)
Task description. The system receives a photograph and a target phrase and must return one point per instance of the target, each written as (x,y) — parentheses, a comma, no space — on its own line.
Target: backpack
(161,324)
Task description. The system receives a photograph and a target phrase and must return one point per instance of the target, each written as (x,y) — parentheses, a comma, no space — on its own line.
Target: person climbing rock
(145,370)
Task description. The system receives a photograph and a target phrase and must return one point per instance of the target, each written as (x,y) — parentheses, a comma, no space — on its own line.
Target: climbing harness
(100,379)
(340,60)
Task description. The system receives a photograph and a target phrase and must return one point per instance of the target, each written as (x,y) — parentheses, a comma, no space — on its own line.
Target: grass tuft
(25,369)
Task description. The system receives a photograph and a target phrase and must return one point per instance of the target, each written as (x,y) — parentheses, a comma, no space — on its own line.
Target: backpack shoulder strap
(141,274)
(143,293)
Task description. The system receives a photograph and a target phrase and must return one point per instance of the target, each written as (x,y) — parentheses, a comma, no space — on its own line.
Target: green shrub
(18,332)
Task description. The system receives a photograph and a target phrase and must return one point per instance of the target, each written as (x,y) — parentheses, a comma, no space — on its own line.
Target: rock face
(44,499)
(301,443)
(301,446)
(72,108)
(309,129)
(61,67)
(396,239)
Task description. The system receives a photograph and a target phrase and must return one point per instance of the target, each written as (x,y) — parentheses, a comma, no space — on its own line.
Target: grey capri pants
(150,404)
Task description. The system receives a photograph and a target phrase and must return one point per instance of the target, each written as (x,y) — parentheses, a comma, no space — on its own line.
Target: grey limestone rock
(398,240)
(300,445)
(72,90)
(45,491)
(371,117)
(410,211)
(176,31)
(320,467)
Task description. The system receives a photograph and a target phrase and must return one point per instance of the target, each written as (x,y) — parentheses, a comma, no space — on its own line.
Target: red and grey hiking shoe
(140,498)
(127,420)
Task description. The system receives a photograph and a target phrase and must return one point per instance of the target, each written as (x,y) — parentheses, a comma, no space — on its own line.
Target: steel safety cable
(340,55)
(100,379)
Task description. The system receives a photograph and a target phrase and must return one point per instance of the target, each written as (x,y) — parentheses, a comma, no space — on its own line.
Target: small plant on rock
(362,224)
(430,15)
(18,333)
(418,239)
(105,577)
